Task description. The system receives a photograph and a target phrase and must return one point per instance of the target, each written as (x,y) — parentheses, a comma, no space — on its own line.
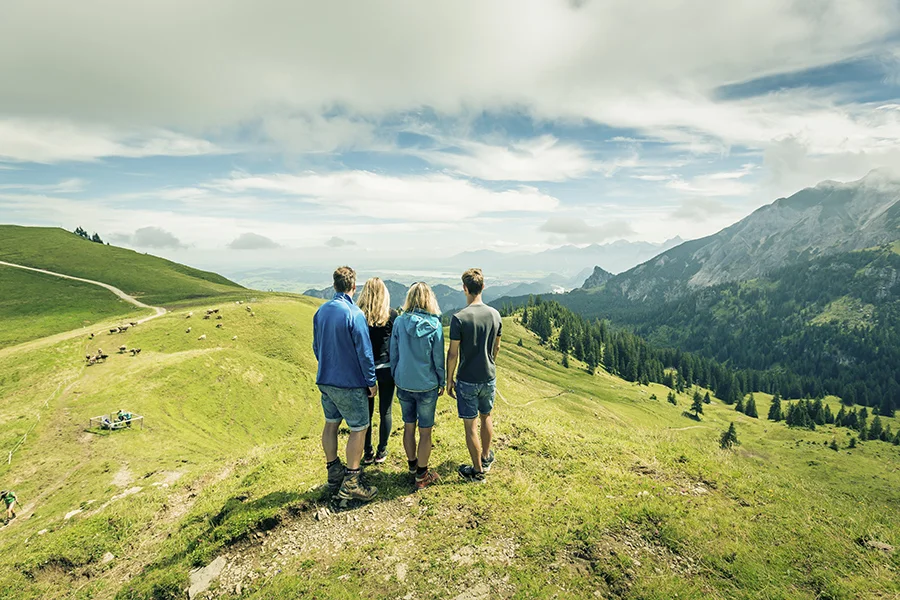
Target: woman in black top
(375,302)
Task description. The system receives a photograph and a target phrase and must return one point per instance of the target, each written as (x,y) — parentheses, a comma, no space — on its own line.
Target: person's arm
(496,349)
(316,335)
(359,333)
(395,351)
(437,359)
(453,356)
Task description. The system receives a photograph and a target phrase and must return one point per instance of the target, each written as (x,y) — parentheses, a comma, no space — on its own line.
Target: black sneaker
(380,456)
(336,474)
(469,473)
(368,458)
(486,463)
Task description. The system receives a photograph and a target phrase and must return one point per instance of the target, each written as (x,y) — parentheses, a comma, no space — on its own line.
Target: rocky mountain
(829,218)
(597,278)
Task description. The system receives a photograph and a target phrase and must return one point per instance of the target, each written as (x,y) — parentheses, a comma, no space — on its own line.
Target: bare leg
(473,443)
(355,446)
(487,434)
(330,441)
(424,446)
(409,440)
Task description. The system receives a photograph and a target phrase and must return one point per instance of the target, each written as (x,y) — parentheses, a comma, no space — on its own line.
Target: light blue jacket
(417,352)
(342,346)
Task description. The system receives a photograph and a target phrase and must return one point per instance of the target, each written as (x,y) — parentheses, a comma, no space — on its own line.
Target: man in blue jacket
(346,378)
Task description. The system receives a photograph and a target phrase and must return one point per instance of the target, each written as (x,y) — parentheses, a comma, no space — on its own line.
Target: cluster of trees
(827,326)
(627,355)
(82,233)
(810,413)
(748,407)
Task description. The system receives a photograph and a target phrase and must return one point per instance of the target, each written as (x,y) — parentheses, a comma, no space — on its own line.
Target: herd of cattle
(92,359)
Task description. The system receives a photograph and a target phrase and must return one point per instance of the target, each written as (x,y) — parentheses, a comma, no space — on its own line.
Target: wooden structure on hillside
(113,423)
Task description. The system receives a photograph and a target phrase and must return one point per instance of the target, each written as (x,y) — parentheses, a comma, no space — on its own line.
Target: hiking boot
(336,474)
(469,473)
(381,456)
(427,479)
(368,458)
(486,463)
(355,488)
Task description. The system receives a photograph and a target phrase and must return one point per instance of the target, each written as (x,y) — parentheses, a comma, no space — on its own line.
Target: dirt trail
(59,337)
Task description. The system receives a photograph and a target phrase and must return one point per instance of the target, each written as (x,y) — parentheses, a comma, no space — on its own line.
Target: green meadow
(598,490)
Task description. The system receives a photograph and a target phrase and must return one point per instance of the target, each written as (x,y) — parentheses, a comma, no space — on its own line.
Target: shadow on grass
(690,416)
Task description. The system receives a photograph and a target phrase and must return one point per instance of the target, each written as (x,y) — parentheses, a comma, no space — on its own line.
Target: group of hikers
(367,349)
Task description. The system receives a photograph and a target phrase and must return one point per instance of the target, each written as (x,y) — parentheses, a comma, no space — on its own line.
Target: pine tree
(775,408)
(96,238)
(679,383)
(525,317)
(841,416)
(671,399)
(829,416)
(520,344)
(875,431)
(896,441)
(852,443)
(697,405)
(833,445)
(887,435)
(565,361)
(739,406)
(707,399)
(750,408)
(729,438)
(565,340)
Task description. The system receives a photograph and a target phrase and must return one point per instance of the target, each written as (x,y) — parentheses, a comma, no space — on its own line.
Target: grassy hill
(598,490)
(153,280)
(34,305)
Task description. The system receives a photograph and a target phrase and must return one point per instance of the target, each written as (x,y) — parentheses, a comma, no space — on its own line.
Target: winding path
(159,311)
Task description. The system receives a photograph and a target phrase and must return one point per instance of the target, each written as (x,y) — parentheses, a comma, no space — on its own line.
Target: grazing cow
(189,315)
(248,308)
(123,328)
(252,314)
(188,330)
(122,349)
(135,351)
(90,337)
(133,323)
(205,317)
(234,337)
(202,337)
(114,330)
(219,326)
(218,317)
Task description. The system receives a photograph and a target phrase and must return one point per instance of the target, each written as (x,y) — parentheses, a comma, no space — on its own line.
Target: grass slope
(153,280)
(598,490)
(34,305)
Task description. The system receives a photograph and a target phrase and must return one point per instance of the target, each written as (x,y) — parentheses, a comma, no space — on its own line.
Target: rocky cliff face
(597,278)
(826,219)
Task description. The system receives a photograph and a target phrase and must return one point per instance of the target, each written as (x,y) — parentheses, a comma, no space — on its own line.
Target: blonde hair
(421,297)
(375,302)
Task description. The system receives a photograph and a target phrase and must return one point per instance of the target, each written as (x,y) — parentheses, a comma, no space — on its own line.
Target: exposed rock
(72,513)
(201,579)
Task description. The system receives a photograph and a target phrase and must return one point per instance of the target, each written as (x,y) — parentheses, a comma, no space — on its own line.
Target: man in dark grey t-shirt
(474,343)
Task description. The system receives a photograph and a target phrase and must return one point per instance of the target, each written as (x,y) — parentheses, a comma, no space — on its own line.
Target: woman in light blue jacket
(417,364)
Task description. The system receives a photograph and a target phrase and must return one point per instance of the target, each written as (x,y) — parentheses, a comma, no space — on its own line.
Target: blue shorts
(418,406)
(347,404)
(475,398)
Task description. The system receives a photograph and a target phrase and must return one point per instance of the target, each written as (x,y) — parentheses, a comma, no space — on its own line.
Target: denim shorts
(474,398)
(347,404)
(418,406)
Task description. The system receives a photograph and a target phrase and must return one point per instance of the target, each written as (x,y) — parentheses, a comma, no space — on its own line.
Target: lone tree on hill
(750,408)
(729,438)
(697,405)
(707,399)
(671,399)
(565,361)
(833,445)
(852,443)
(775,408)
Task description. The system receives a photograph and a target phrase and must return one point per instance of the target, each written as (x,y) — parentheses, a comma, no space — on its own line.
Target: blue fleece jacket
(417,352)
(342,346)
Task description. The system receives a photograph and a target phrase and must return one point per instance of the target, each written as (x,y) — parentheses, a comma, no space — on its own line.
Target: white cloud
(65,186)
(411,198)
(252,241)
(149,237)
(577,231)
(52,141)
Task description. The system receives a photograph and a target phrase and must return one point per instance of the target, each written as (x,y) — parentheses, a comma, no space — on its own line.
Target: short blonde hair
(375,302)
(421,297)
(473,279)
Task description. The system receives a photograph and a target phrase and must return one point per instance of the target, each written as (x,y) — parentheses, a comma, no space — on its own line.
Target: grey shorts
(346,404)
(475,398)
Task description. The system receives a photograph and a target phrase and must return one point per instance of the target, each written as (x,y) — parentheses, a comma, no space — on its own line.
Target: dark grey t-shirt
(476,327)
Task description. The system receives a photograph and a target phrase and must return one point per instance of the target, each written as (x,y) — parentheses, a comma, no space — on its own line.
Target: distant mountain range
(568,261)
(449,299)
(826,219)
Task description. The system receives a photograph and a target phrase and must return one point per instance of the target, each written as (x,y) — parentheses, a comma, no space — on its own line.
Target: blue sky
(251,134)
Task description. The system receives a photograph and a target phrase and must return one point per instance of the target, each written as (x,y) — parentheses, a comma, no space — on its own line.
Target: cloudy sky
(288,130)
